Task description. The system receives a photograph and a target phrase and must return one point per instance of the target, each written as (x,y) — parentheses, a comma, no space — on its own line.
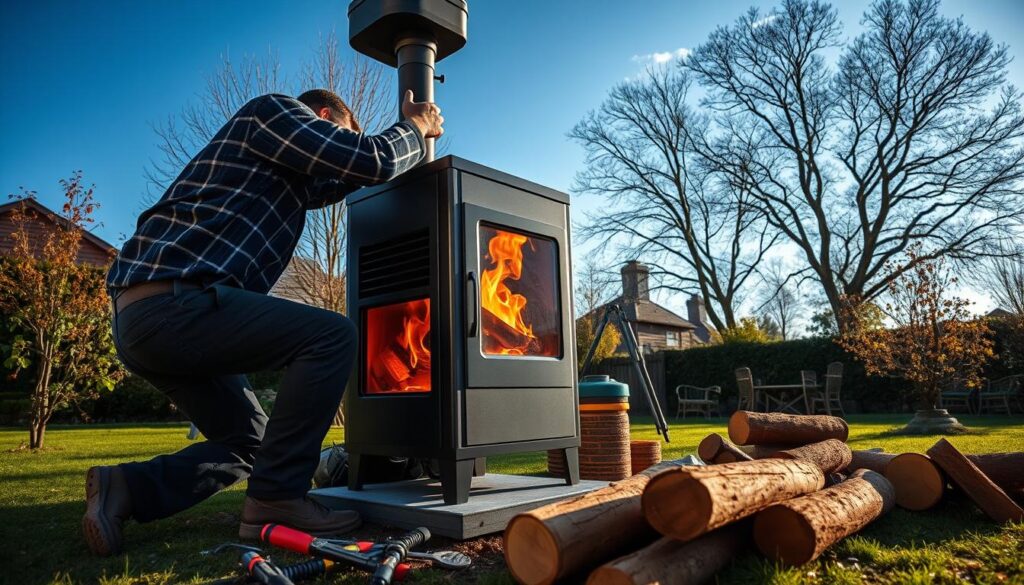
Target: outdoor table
(782,389)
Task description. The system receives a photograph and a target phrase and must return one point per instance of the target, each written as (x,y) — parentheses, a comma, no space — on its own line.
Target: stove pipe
(416,55)
(411,35)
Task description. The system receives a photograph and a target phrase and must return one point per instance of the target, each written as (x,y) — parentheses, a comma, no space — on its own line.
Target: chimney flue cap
(376,26)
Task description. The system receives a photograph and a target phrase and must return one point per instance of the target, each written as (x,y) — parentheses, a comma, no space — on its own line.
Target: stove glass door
(519,308)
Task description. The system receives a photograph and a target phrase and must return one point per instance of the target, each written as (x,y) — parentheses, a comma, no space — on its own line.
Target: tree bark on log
(831,455)
(966,475)
(687,502)
(671,562)
(873,460)
(715,449)
(799,530)
(1006,470)
(918,481)
(776,428)
(560,539)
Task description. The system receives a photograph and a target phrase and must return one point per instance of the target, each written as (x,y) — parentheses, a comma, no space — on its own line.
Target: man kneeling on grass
(191,313)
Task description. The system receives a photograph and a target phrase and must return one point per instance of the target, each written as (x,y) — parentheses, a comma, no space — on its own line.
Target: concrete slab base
(494,499)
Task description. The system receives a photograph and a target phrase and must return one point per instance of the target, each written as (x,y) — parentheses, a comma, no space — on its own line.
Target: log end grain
(918,482)
(739,427)
(676,505)
(709,447)
(784,534)
(531,553)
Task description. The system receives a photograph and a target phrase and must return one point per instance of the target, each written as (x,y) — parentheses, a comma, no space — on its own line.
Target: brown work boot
(107,506)
(303,514)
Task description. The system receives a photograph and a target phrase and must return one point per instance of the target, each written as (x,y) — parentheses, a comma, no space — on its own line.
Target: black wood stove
(460,285)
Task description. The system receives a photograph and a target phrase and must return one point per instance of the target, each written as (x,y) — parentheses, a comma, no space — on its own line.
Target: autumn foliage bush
(930,338)
(57,311)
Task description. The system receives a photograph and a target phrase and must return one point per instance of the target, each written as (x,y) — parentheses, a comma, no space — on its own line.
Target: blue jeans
(195,346)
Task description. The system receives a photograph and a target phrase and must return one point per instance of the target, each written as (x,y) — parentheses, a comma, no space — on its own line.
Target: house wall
(39,230)
(649,334)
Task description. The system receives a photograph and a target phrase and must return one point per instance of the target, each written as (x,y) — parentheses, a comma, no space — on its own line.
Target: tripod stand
(639,365)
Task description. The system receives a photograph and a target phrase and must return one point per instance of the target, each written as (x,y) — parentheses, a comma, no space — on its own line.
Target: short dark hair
(317,99)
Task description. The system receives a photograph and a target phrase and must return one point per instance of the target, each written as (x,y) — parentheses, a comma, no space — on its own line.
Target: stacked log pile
(786,485)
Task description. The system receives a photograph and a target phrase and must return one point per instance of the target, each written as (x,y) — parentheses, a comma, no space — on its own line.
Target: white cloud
(763,21)
(660,58)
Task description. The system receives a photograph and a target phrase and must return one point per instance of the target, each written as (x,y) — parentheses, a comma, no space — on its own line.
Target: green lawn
(41,503)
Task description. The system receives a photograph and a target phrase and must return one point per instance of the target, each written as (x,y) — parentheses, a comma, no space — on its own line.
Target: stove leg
(572,465)
(356,471)
(456,479)
(480,467)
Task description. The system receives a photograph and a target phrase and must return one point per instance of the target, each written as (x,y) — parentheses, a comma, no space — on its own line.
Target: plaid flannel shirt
(235,214)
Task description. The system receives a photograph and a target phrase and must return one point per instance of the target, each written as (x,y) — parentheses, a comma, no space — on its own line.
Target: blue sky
(83,82)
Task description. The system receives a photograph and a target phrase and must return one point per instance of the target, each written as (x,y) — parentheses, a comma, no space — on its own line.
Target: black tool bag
(333,468)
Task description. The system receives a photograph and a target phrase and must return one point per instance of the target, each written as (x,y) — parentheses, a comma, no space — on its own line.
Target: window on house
(672,338)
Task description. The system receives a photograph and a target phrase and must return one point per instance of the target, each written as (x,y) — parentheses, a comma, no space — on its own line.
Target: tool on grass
(296,572)
(395,551)
(445,559)
(300,542)
(258,568)
(263,570)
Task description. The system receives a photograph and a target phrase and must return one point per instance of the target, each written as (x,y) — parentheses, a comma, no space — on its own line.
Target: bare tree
(891,148)
(594,288)
(781,302)
(227,89)
(694,225)
(1003,279)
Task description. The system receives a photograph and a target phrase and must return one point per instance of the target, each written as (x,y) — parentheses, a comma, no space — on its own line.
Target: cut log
(870,459)
(799,530)
(1006,470)
(918,482)
(560,539)
(966,476)
(831,455)
(687,502)
(670,562)
(776,428)
(715,449)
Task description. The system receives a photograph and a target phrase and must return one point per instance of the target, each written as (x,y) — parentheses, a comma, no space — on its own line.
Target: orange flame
(398,348)
(415,330)
(506,252)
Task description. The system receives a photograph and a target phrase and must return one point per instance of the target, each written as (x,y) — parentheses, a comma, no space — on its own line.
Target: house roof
(645,311)
(999,312)
(53,217)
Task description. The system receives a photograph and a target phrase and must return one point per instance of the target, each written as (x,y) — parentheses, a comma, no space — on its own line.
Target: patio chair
(956,396)
(1001,392)
(697,399)
(748,399)
(809,383)
(826,399)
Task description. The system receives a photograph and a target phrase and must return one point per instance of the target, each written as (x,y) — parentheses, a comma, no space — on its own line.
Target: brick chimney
(635,278)
(695,312)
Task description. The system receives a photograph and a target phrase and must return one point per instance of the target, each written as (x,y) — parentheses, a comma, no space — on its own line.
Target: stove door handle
(471,306)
